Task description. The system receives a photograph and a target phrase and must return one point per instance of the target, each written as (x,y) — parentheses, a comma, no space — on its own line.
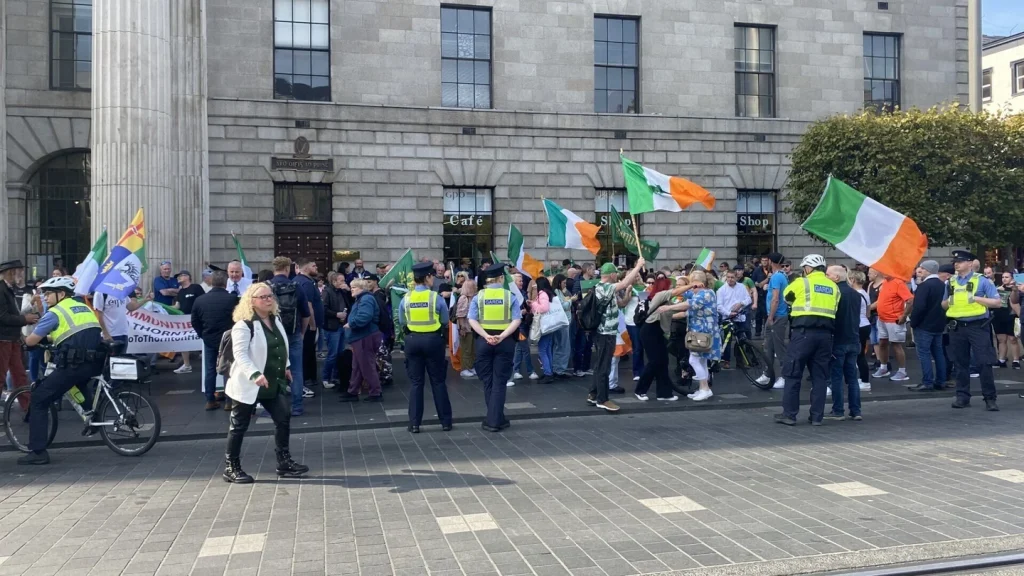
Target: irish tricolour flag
(649,190)
(519,258)
(567,230)
(867,231)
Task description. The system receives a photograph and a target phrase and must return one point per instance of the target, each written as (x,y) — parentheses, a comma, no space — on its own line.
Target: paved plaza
(724,492)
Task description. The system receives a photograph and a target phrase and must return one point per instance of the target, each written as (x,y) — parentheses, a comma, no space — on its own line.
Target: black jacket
(386,322)
(927,313)
(11,319)
(335,301)
(847,326)
(211,315)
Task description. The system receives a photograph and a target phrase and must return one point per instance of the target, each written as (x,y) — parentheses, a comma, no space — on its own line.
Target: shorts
(892,331)
(1002,324)
(874,332)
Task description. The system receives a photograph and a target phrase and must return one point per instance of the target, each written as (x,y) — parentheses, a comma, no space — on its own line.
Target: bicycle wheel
(752,361)
(136,421)
(16,411)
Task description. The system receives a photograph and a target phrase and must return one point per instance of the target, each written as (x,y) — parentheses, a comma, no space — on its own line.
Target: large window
(468,224)
(465,57)
(881,71)
(755,71)
(755,223)
(58,216)
(611,250)
(616,64)
(71,44)
(1017,69)
(986,84)
(302,50)
(302,202)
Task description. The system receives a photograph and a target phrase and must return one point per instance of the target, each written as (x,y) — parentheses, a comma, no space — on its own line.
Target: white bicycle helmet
(813,260)
(65,283)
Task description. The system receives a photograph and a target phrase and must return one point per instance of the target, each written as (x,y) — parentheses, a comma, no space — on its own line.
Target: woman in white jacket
(260,373)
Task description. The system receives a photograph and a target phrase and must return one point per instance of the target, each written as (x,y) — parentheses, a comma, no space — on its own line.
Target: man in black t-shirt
(186,297)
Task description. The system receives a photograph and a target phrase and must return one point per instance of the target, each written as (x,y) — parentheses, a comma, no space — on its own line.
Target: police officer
(813,301)
(423,317)
(76,336)
(969,296)
(494,315)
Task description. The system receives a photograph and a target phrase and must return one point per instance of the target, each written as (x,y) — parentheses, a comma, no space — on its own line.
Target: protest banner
(150,333)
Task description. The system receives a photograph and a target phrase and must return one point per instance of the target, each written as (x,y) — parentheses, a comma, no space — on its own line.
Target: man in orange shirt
(893,306)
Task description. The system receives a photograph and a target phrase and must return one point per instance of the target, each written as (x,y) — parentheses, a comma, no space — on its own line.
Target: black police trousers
(808,348)
(976,337)
(424,354)
(494,368)
(50,389)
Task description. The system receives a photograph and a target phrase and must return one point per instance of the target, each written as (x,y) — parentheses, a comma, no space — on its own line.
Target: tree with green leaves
(958,174)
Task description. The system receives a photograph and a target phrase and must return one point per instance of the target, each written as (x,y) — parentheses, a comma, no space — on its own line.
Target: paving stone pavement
(714,492)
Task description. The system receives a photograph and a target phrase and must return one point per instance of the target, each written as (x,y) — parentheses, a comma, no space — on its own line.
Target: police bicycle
(126,419)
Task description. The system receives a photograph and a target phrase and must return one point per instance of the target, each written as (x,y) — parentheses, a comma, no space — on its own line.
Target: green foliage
(958,174)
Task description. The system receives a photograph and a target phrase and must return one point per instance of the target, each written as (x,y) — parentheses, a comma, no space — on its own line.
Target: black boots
(288,468)
(233,472)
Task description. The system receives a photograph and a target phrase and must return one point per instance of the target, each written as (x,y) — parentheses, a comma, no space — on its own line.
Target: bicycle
(117,414)
(748,358)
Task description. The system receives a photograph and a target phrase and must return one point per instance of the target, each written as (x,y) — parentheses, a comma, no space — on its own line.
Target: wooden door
(311,241)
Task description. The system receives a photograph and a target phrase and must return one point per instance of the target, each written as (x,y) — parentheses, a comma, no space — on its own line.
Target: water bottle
(77,395)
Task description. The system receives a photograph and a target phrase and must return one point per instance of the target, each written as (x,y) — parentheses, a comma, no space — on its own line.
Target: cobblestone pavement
(723,492)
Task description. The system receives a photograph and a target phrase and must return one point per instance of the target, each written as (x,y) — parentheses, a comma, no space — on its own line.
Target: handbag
(698,342)
(554,319)
(535,332)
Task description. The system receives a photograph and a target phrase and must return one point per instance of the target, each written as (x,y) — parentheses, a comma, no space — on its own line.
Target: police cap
(494,270)
(423,268)
(963,256)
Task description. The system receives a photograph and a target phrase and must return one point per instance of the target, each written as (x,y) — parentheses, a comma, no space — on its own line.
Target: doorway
(302,223)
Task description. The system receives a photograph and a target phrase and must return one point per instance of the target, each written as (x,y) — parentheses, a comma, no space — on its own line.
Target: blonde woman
(702,316)
(260,373)
(467,346)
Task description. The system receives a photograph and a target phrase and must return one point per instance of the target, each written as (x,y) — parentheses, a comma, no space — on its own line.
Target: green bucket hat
(609,268)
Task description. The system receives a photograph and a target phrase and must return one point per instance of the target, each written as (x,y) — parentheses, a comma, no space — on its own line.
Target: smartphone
(1018,278)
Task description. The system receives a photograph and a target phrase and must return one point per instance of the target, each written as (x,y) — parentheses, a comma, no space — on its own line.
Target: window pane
(614,79)
(483,96)
(83,19)
(466,95)
(449,20)
(629,54)
(465,45)
(465,21)
(449,71)
(867,67)
(283,35)
(449,45)
(301,86)
(764,85)
(600,29)
(321,12)
(63,46)
(282,86)
(482,74)
(766,107)
(283,61)
(482,22)
(614,53)
(282,10)
(83,74)
(629,31)
(751,38)
(302,62)
(739,38)
(321,63)
(629,101)
(449,95)
(753,110)
(83,47)
(751,59)
(890,68)
(67,73)
(877,91)
(482,46)
(628,79)
(600,101)
(877,45)
(320,36)
(614,30)
(465,72)
(766,62)
(302,12)
(890,46)
(300,35)
(600,52)
(765,37)
(600,78)
(614,101)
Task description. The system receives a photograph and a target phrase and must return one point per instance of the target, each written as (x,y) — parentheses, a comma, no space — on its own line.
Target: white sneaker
(327,385)
(641,397)
(466,374)
(533,376)
(779,384)
(882,372)
(865,386)
(763,379)
(671,398)
(473,372)
(828,391)
(509,384)
(517,376)
(636,378)
(975,375)
(588,372)
(703,395)
(183,369)
(691,395)
(307,393)
(900,376)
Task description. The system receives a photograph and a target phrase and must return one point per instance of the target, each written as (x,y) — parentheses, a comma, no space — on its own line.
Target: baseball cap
(775,258)
(609,268)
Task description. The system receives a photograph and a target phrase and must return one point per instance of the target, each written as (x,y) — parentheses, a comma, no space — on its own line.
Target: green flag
(623,232)
(400,274)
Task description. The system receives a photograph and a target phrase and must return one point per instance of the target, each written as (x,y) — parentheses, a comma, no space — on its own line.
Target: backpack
(226,351)
(641,312)
(591,312)
(287,295)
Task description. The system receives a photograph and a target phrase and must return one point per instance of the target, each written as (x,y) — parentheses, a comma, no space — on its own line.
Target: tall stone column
(5,212)
(132,164)
(189,139)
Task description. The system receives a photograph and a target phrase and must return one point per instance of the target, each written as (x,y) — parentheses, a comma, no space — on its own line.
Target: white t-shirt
(864,299)
(630,308)
(115,313)
(206,287)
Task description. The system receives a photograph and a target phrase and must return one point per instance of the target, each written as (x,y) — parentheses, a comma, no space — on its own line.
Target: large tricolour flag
(623,345)
(519,258)
(87,271)
(649,190)
(126,263)
(867,231)
(567,230)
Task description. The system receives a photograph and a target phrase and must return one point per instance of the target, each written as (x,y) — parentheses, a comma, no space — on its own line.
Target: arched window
(59,214)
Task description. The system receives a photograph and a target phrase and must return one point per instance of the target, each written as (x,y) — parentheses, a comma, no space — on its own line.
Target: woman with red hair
(654,334)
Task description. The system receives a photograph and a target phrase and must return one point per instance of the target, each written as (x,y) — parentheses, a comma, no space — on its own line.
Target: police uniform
(970,333)
(76,336)
(423,316)
(813,302)
(495,309)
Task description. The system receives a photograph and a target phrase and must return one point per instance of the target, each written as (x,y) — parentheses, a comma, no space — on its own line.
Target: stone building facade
(1002,79)
(216,134)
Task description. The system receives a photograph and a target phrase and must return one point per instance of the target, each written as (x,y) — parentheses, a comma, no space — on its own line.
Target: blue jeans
(321,342)
(332,338)
(843,366)
(521,362)
(929,348)
(638,349)
(561,351)
(295,359)
(544,348)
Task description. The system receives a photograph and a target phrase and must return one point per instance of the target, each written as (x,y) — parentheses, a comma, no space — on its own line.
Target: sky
(1002,17)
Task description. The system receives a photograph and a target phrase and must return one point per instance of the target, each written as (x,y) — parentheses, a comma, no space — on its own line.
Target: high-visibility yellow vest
(961,300)
(494,309)
(73,316)
(421,311)
(815,295)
